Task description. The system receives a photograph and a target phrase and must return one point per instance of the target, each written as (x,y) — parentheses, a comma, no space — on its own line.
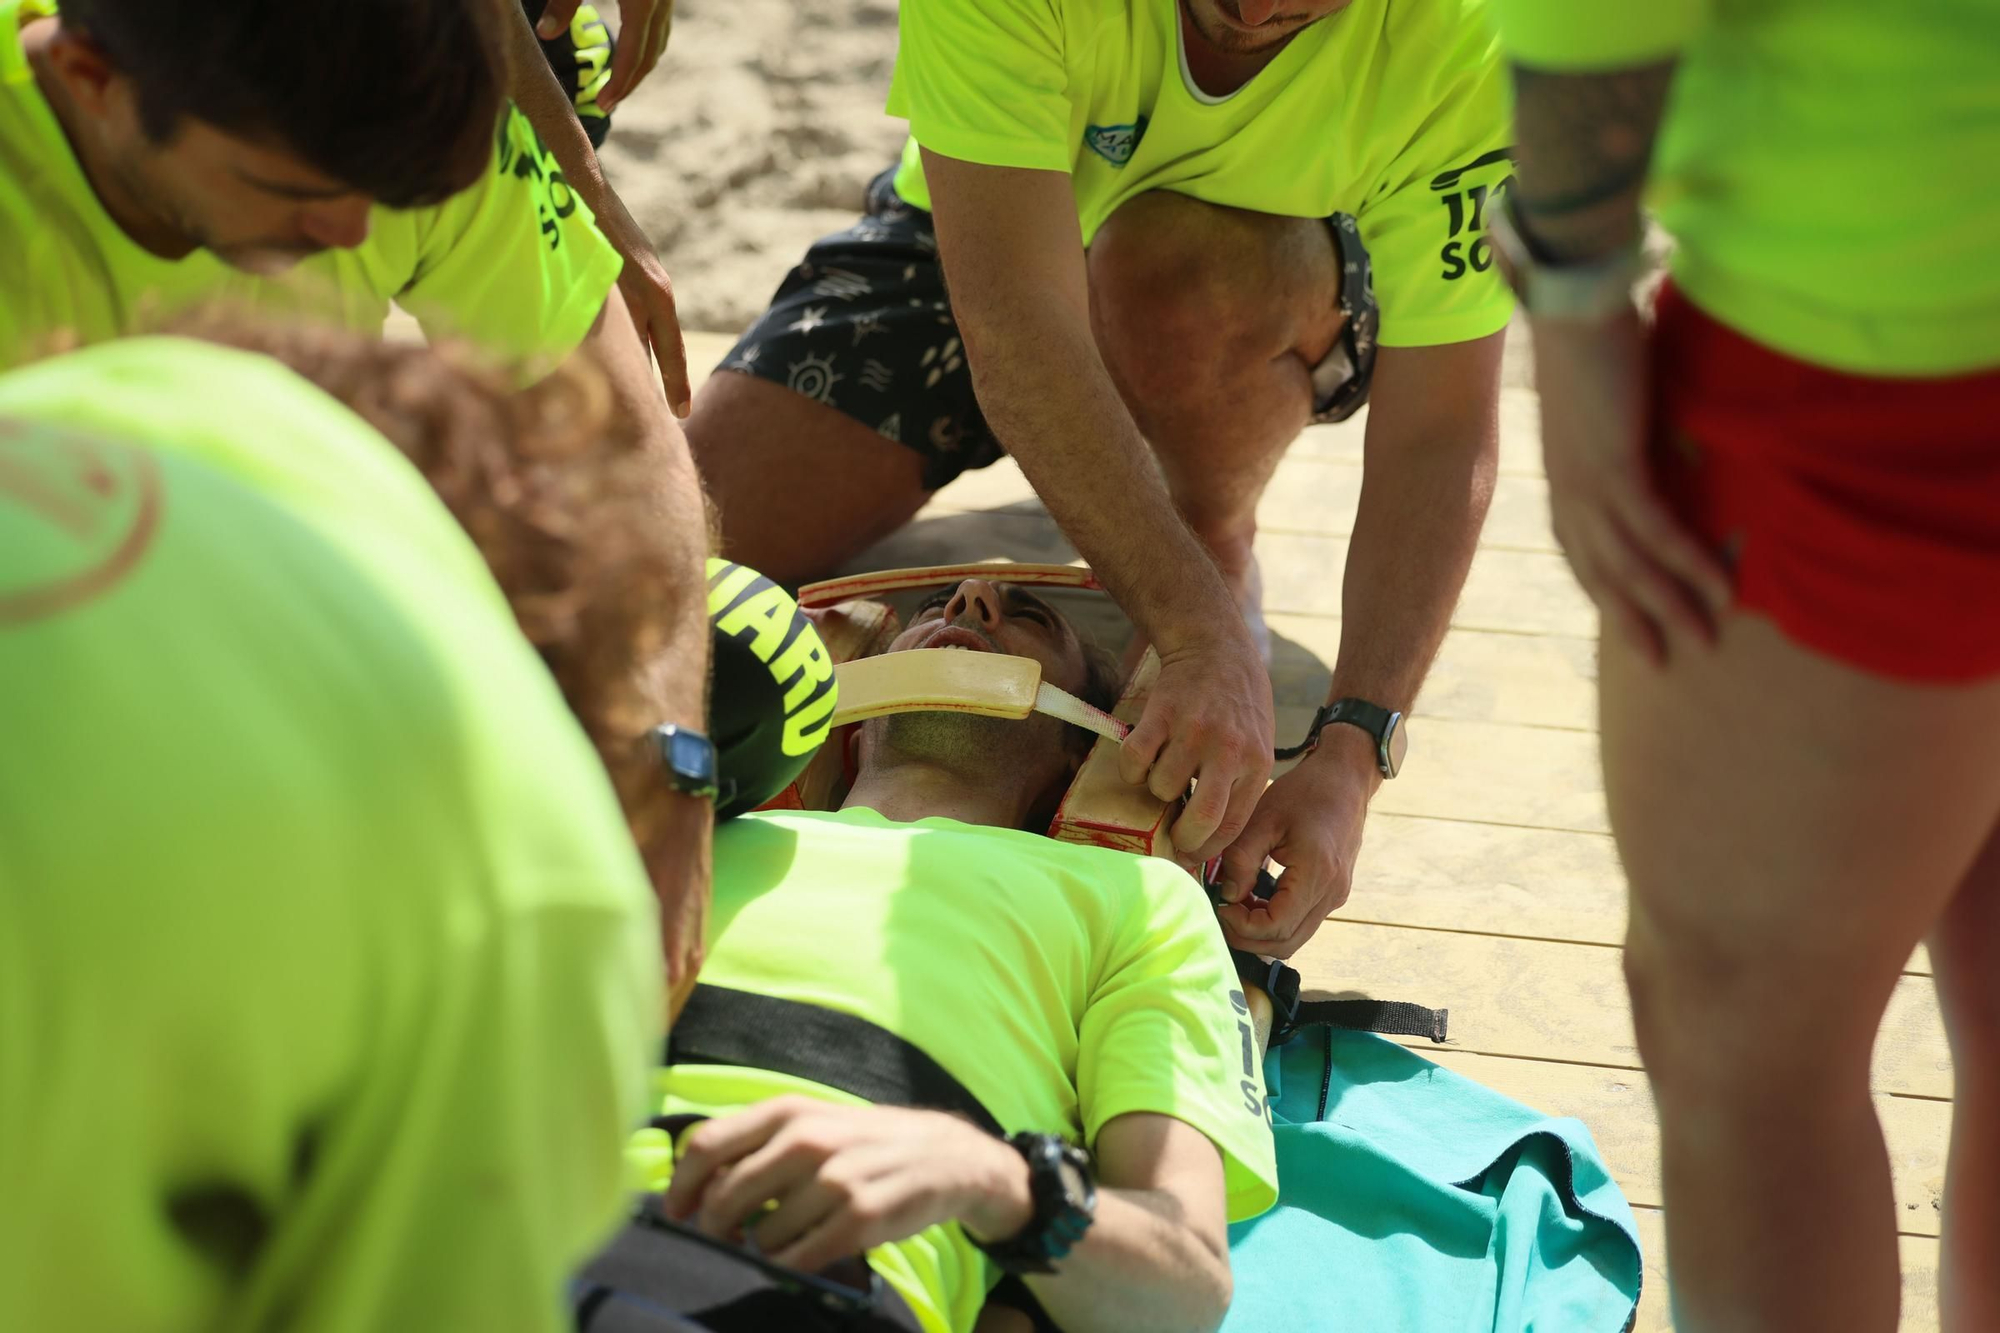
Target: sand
(754,137)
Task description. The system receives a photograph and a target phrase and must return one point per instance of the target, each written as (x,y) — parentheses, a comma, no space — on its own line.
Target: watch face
(1396,744)
(691,755)
(1073,1169)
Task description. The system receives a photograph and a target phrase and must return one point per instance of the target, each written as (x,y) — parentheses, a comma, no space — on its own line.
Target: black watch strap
(1377,721)
(1065,1198)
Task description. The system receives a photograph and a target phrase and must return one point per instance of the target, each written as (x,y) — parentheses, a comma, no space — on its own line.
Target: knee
(1714,1013)
(1171,313)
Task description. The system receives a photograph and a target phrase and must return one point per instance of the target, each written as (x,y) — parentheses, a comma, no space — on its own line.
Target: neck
(911,790)
(146,229)
(1215,71)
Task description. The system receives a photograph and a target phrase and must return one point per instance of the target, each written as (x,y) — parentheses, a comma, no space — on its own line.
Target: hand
(844,1178)
(643,29)
(676,851)
(1208,720)
(1309,821)
(1651,579)
(649,298)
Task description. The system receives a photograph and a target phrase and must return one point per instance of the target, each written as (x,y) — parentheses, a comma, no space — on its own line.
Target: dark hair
(398,99)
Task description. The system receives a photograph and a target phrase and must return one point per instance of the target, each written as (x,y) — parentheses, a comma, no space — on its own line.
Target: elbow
(1216,1296)
(1211,1284)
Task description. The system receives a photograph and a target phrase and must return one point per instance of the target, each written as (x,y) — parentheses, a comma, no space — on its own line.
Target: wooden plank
(1478,676)
(1453,875)
(1540,999)
(1496,773)
(1919,1258)
(1319,495)
(1523,592)
(1616,1105)
(1520,435)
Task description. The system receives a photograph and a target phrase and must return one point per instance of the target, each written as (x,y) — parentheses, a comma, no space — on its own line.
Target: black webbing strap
(732,1027)
(1389,1018)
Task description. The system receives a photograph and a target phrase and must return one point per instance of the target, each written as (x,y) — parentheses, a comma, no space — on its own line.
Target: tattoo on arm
(1584,144)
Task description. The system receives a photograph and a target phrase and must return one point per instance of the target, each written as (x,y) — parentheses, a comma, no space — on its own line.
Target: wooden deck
(1488,882)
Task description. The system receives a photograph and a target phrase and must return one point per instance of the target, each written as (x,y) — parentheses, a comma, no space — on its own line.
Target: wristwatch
(1065,1198)
(1392,739)
(1550,289)
(689,760)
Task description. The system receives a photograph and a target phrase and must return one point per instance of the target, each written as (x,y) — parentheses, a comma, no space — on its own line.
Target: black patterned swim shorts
(864,325)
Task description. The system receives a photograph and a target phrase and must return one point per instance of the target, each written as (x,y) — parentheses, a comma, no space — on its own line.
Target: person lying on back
(1075,991)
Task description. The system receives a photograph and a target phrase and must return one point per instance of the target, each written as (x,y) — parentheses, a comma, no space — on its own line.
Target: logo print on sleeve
(1466,247)
(523,156)
(1252,1090)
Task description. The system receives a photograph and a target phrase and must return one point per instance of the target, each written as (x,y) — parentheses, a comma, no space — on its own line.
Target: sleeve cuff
(1581,36)
(569,325)
(991,150)
(1438,330)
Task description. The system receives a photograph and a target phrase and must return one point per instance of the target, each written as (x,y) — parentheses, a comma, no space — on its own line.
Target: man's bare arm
(1157,1257)
(649,293)
(1585,144)
(1015,265)
(676,680)
(1431,452)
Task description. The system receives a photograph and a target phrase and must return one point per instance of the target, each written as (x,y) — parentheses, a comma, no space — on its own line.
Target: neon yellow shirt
(1062,985)
(514,264)
(329,979)
(1392,111)
(1826,166)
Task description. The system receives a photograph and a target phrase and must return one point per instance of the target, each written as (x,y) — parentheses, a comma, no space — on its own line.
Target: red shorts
(1861,515)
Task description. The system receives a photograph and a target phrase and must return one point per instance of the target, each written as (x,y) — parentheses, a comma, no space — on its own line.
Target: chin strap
(1062,704)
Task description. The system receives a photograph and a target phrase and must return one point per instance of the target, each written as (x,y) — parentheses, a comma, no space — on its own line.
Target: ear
(85,72)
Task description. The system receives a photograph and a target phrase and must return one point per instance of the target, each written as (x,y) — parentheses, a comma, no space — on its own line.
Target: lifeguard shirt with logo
(1062,985)
(514,264)
(329,977)
(1392,111)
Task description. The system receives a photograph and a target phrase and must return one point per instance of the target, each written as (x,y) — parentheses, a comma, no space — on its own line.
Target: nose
(1255,12)
(337,224)
(979,599)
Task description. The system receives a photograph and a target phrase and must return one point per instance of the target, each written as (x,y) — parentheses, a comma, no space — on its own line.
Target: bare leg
(1791,828)
(1965,950)
(1211,320)
(800,487)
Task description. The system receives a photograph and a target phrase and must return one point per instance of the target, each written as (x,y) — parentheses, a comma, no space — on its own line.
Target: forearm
(542,99)
(675,680)
(1156,1255)
(1050,400)
(1139,1266)
(1414,534)
(1584,143)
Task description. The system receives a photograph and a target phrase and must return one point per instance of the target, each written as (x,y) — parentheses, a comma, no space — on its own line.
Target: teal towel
(1413,1200)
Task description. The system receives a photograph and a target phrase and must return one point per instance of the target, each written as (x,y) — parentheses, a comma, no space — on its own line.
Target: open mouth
(957,636)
